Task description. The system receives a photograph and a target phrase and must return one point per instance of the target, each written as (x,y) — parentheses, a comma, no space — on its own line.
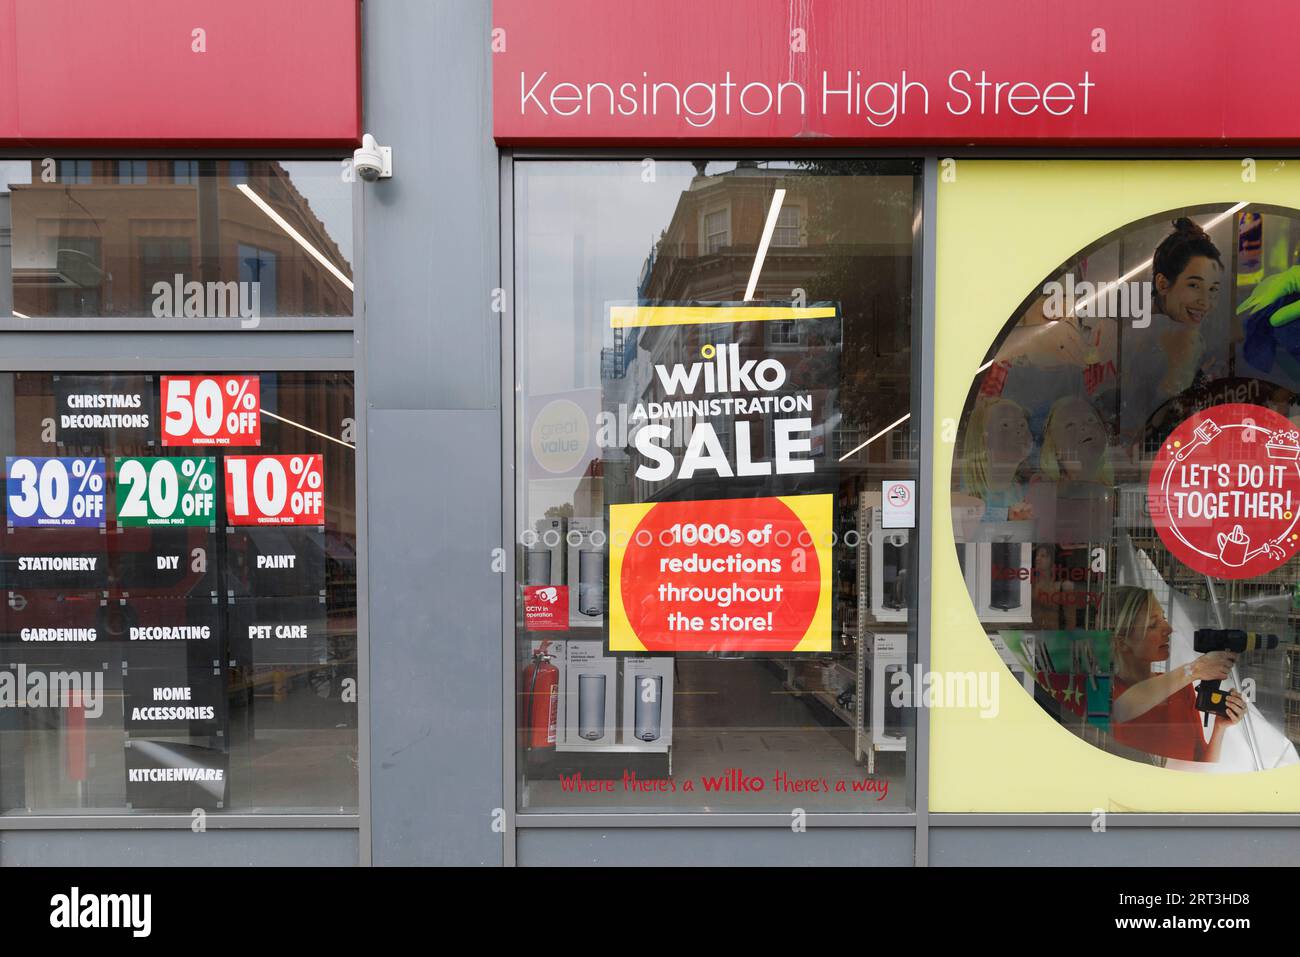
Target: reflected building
(706,253)
(99,235)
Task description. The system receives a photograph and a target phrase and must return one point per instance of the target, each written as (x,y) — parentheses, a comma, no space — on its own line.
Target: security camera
(373,161)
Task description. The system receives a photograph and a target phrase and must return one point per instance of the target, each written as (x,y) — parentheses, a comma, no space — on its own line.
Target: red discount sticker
(275,490)
(1224,491)
(211,410)
(721,575)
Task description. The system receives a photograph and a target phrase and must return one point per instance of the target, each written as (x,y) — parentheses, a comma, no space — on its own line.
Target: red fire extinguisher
(541,699)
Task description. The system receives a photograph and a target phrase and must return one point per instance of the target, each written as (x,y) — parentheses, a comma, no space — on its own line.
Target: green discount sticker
(166,490)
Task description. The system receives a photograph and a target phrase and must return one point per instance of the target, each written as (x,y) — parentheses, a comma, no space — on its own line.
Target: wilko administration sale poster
(721,538)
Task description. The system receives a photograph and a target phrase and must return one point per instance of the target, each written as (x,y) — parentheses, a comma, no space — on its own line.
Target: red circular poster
(1224,491)
(742,574)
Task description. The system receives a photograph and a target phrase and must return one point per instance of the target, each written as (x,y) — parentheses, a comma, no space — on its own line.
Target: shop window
(132,172)
(75,172)
(717,230)
(179,624)
(783,333)
(681,469)
(847,440)
(265,238)
(1126,481)
(787,231)
(900,445)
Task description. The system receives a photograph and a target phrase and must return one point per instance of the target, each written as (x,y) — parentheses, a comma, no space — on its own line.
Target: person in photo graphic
(1169,356)
(1075,444)
(998,443)
(1155,711)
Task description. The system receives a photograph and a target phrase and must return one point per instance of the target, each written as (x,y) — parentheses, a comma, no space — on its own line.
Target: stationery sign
(211,410)
(1224,491)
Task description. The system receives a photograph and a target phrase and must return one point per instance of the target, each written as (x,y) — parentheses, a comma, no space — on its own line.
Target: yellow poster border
(816,512)
(627,317)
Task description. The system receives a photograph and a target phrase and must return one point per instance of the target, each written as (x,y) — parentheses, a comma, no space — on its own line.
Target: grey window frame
(278,344)
(921,820)
(268,324)
(920,424)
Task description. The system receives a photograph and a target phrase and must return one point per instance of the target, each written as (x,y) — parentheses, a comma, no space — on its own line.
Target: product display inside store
(716,484)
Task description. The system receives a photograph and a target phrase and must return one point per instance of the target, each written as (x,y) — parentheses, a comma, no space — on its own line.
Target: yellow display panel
(1002,227)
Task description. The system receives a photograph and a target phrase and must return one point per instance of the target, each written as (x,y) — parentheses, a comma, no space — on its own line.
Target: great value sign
(166,491)
(55,491)
(211,410)
(275,490)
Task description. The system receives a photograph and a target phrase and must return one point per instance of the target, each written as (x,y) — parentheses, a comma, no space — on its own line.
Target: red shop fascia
(922,74)
(162,74)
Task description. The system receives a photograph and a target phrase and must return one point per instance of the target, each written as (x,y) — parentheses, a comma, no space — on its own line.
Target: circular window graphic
(1126,489)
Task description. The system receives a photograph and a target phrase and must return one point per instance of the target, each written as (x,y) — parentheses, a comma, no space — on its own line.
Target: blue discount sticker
(55,491)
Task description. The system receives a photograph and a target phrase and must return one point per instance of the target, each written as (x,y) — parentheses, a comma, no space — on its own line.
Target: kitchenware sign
(1224,491)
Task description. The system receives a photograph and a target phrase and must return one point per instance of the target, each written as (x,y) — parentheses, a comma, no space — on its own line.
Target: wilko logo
(734,781)
(546,607)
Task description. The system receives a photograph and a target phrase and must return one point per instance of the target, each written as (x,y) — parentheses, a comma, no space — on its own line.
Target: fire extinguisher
(542,699)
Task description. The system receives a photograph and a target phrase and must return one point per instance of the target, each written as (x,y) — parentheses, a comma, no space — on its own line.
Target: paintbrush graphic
(1205,433)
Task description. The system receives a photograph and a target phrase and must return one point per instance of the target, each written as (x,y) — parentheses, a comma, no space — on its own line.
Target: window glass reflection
(175,239)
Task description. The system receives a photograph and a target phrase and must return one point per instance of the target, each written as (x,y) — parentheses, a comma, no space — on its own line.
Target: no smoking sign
(1224,491)
(898,504)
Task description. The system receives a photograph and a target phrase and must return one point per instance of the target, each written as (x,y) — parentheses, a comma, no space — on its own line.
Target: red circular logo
(706,576)
(1224,491)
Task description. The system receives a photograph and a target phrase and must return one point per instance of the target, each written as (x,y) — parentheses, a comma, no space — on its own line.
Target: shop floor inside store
(791,744)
